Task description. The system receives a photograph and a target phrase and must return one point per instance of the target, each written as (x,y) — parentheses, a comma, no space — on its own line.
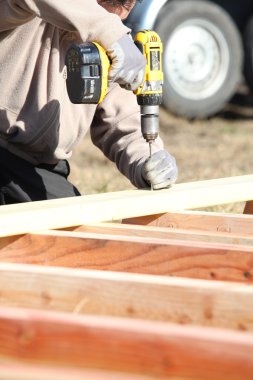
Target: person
(39,126)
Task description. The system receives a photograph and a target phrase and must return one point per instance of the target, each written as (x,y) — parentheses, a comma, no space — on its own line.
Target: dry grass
(204,149)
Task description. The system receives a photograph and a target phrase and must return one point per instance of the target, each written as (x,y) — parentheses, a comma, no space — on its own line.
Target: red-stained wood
(136,254)
(128,346)
(175,300)
(17,371)
(248,209)
(51,345)
(163,233)
(200,221)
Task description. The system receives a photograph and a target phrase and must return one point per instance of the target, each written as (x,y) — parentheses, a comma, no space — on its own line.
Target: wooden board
(150,255)
(177,300)
(162,233)
(105,323)
(67,212)
(234,224)
(17,371)
(129,346)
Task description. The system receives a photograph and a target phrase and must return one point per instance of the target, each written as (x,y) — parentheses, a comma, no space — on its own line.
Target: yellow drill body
(149,94)
(87,78)
(150,45)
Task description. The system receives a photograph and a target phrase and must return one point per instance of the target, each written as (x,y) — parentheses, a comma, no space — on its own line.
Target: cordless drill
(87,78)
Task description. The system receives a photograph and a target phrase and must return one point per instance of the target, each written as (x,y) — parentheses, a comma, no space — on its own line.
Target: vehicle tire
(203,57)
(248,51)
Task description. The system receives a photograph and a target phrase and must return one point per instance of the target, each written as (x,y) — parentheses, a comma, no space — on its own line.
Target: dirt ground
(205,149)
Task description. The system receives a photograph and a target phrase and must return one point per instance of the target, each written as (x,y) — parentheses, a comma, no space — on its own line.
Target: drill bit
(150,149)
(150,154)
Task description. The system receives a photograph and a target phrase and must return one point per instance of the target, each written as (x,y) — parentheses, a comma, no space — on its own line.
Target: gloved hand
(160,170)
(128,64)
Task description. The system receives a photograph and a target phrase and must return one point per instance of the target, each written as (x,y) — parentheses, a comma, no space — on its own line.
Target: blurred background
(206,120)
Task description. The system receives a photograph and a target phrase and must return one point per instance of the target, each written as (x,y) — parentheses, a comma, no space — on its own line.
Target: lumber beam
(248,209)
(68,212)
(177,300)
(128,346)
(17,371)
(163,233)
(174,257)
(199,221)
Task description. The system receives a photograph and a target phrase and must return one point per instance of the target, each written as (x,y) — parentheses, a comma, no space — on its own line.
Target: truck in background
(208,50)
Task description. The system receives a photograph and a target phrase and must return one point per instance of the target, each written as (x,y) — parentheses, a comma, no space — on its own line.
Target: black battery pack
(84,76)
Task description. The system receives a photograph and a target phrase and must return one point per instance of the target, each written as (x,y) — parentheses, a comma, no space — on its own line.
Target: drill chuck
(150,122)
(149,100)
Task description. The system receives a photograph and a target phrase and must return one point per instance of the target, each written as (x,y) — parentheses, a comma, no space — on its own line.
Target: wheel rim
(196,59)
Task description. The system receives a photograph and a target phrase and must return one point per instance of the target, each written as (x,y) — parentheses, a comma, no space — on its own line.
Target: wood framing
(16,371)
(177,300)
(136,347)
(160,295)
(239,224)
(67,212)
(162,233)
(132,253)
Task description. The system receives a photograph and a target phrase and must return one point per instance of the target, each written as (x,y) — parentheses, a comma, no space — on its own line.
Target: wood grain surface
(129,346)
(177,300)
(66,212)
(199,221)
(138,254)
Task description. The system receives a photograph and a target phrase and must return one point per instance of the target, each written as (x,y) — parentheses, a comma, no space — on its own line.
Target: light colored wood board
(177,300)
(140,255)
(199,221)
(75,211)
(162,233)
(124,345)
(14,371)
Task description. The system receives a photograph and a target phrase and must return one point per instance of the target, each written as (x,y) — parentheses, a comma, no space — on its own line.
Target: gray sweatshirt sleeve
(116,131)
(86,17)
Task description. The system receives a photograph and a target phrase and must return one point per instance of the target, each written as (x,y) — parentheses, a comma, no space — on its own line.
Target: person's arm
(88,18)
(92,22)
(116,131)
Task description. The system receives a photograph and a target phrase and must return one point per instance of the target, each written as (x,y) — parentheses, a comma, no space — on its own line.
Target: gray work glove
(160,170)
(128,64)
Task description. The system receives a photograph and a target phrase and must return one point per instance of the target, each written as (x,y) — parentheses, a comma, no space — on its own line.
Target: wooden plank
(128,346)
(177,300)
(67,212)
(19,371)
(163,233)
(199,221)
(248,207)
(132,254)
